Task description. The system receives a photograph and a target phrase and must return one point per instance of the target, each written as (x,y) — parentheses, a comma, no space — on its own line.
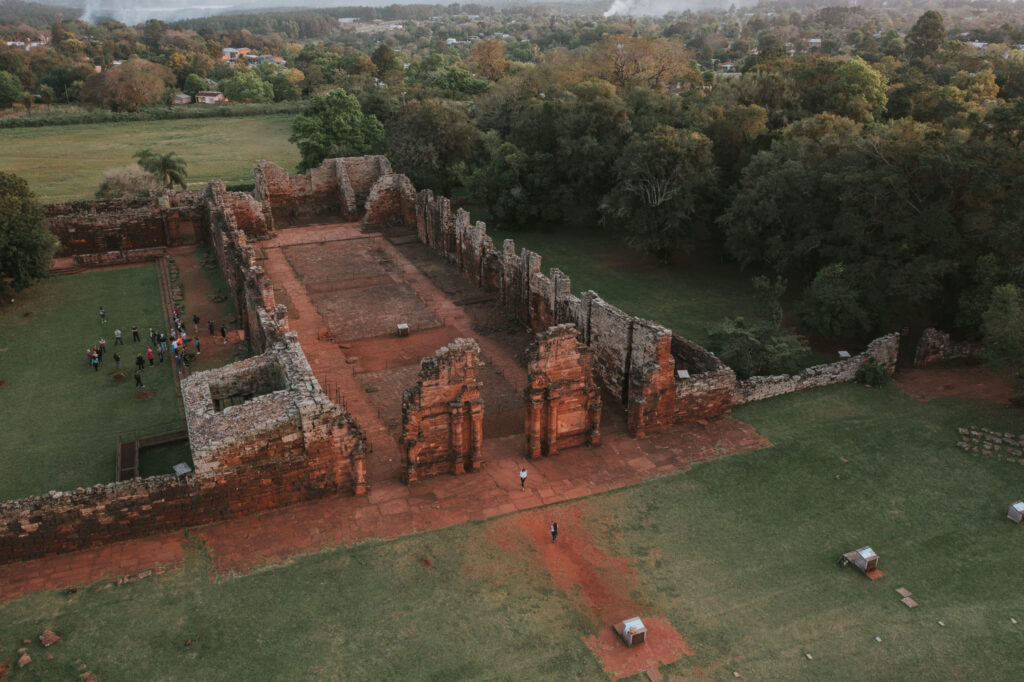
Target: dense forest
(866,160)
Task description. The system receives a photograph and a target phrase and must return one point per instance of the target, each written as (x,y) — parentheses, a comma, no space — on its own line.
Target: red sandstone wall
(564,401)
(442,416)
(391,200)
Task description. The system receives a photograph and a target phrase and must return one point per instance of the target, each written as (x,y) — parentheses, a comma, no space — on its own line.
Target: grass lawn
(67,417)
(62,163)
(738,554)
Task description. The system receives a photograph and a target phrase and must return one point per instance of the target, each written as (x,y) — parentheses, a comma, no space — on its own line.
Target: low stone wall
(169,218)
(993,444)
(882,350)
(935,347)
(443,414)
(563,400)
(120,257)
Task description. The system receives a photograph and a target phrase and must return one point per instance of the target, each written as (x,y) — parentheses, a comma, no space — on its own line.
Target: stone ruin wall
(882,350)
(563,400)
(635,360)
(443,414)
(284,446)
(935,347)
(117,230)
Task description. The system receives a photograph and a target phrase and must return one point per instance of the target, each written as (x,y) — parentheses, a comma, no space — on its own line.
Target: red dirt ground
(143,395)
(601,584)
(961,382)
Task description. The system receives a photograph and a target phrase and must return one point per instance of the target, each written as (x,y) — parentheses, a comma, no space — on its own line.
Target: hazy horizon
(134,12)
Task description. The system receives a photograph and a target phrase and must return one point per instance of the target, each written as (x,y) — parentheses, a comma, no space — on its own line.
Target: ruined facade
(443,414)
(563,400)
(935,347)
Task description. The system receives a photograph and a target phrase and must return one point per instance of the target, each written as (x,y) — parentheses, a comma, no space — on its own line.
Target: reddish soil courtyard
(960,382)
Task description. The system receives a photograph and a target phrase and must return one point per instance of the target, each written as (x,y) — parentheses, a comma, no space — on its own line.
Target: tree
(487,59)
(169,169)
(927,35)
(130,181)
(134,84)
(752,350)
(26,245)
(861,90)
(385,59)
(433,142)
(831,304)
(334,125)
(194,83)
(660,178)
(10,89)
(642,62)
(248,87)
(1003,329)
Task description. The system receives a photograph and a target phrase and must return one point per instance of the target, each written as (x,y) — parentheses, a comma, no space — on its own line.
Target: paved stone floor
(392,509)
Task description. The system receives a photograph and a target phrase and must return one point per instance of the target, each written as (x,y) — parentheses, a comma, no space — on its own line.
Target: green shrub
(872,374)
(757,349)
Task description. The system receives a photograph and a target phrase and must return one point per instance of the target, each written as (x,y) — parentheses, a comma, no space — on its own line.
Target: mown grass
(69,162)
(738,554)
(60,417)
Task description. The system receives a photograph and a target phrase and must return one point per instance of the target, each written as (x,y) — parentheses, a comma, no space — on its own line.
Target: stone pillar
(458,419)
(552,422)
(359,473)
(534,414)
(476,434)
(594,420)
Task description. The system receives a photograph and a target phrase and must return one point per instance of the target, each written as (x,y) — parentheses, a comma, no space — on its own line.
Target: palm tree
(169,168)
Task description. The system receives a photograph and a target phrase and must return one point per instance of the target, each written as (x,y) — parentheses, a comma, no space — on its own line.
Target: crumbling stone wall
(882,350)
(169,218)
(935,347)
(443,414)
(563,400)
(391,200)
(284,446)
(994,444)
(337,188)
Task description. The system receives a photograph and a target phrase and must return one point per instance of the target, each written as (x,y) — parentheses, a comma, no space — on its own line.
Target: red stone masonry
(563,400)
(443,415)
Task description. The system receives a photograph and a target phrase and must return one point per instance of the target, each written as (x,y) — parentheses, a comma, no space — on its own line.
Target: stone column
(456,417)
(594,420)
(359,473)
(476,442)
(552,430)
(534,417)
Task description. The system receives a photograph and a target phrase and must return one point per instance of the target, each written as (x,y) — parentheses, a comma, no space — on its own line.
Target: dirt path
(392,509)
(961,382)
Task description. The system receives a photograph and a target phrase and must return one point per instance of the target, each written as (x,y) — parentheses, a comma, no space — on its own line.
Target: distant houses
(181,98)
(210,97)
(232,55)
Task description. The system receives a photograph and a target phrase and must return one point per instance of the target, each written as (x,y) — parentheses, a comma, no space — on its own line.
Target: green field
(65,416)
(691,293)
(62,163)
(738,554)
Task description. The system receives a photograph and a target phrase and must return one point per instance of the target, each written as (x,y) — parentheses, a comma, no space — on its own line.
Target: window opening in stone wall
(242,387)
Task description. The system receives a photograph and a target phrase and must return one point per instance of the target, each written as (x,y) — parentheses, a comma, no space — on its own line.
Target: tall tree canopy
(26,245)
(334,125)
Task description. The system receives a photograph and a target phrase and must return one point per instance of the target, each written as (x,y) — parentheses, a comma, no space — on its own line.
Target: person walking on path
(210,326)
(117,337)
(103,315)
(197,346)
(138,377)
(522,478)
(117,360)
(554,531)
(135,333)
(149,356)
(195,322)
(139,362)
(224,334)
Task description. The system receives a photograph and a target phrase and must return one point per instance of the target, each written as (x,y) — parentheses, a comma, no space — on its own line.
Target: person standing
(138,377)
(103,347)
(96,361)
(117,337)
(160,352)
(162,340)
(103,315)
(197,346)
(224,334)
(522,478)
(184,363)
(135,333)
(139,362)
(149,356)
(554,531)
(117,360)
(210,326)
(152,337)
(177,360)
(195,322)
